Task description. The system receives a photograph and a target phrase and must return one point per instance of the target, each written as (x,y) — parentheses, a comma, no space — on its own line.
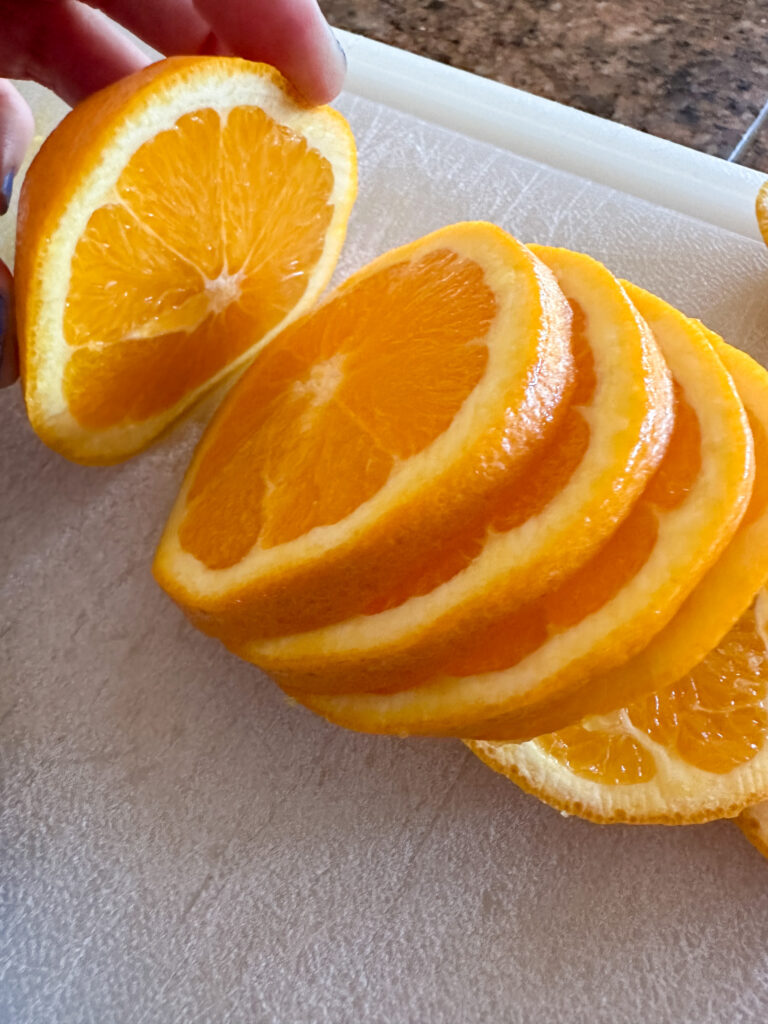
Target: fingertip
(334,71)
(17,126)
(292,35)
(318,65)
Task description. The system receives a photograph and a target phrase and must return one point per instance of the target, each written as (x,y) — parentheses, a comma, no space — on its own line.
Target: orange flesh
(327,410)
(681,464)
(151,320)
(526,496)
(505,642)
(610,757)
(714,718)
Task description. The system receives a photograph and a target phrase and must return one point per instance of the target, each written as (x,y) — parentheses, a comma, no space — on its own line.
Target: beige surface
(180,844)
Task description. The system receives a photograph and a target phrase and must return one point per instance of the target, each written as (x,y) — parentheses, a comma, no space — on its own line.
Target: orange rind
(724,593)
(514,681)
(335,465)
(753,822)
(540,528)
(693,752)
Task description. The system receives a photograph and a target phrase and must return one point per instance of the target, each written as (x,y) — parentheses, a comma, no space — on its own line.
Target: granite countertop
(687,70)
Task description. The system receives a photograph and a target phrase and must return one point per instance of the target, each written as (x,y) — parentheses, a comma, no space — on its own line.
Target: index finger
(292,35)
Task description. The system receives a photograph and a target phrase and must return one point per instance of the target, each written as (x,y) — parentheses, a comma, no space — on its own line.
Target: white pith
(511,358)
(614,415)
(676,790)
(675,565)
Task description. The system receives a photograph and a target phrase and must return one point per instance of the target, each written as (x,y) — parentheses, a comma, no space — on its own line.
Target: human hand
(73,49)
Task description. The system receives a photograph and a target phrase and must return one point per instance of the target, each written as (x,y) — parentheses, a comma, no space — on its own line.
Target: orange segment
(264,168)
(194,141)
(116,260)
(610,758)
(694,751)
(714,718)
(536,531)
(410,405)
(202,208)
(642,576)
(99,388)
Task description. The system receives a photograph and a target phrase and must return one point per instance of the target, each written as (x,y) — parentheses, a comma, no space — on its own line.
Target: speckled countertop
(692,71)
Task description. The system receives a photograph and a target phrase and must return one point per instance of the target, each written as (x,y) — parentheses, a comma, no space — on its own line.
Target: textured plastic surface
(177,843)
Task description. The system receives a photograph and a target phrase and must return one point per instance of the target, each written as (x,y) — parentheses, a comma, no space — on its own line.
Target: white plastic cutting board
(178,844)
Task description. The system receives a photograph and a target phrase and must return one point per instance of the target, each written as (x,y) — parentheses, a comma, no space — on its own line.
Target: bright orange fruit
(367,433)
(537,530)
(724,593)
(693,752)
(514,680)
(761,210)
(170,226)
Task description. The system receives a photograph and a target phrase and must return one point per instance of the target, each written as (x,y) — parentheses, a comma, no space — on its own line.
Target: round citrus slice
(761,210)
(368,432)
(723,594)
(693,752)
(172,224)
(753,822)
(513,680)
(538,529)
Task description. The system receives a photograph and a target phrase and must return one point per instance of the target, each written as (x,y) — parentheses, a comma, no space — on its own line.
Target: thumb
(16,129)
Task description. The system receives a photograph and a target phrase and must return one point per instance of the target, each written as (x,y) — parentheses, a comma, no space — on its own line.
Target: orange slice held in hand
(369,432)
(537,531)
(514,681)
(170,225)
(692,752)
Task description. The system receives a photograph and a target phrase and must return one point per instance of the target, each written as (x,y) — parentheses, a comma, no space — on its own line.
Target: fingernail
(6,190)
(341,50)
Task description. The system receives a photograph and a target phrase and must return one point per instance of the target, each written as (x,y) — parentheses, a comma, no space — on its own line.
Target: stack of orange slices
(481,490)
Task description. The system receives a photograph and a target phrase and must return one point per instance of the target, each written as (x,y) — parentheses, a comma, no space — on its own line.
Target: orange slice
(539,529)
(368,432)
(513,681)
(724,593)
(693,752)
(761,210)
(172,224)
